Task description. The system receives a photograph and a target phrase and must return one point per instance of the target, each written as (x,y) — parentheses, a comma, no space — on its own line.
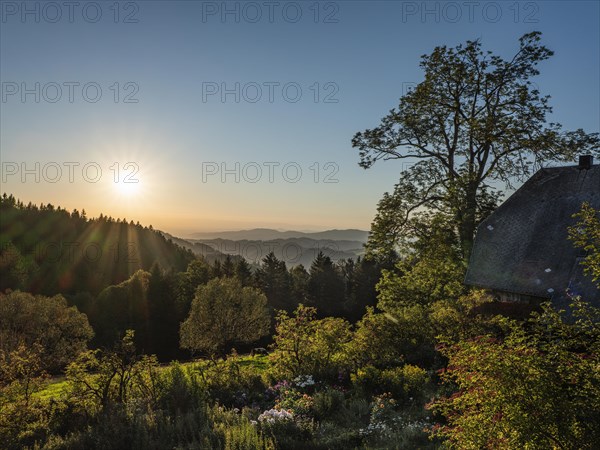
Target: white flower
(272,415)
(304,381)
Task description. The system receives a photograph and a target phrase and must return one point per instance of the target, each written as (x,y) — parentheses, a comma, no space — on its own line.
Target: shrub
(537,387)
(234,383)
(402,382)
(304,345)
(180,390)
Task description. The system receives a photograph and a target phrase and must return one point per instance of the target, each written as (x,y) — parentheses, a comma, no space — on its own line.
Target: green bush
(305,345)
(328,404)
(404,383)
(234,382)
(180,389)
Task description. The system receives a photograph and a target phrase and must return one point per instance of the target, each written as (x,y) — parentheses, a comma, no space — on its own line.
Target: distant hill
(267,234)
(209,252)
(293,251)
(47,250)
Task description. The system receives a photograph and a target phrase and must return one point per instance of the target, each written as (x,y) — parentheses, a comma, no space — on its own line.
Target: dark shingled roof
(523,246)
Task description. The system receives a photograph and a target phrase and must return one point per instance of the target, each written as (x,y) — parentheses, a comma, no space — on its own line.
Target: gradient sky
(362,54)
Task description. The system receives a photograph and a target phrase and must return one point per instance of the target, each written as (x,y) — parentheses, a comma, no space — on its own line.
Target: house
(522,253)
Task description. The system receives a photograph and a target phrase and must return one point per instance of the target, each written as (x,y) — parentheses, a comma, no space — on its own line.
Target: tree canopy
(224,313)
(60,331)
(476,119)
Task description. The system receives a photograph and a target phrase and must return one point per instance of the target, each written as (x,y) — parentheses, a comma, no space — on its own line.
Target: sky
(202,116)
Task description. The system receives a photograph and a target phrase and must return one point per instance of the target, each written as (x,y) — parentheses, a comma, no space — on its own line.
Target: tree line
(48,250)
(154,303)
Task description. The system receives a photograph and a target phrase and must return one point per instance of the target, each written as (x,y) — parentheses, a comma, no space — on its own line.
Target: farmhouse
(522,253)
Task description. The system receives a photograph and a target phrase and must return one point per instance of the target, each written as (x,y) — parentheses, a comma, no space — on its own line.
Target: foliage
(586,236)
(325,289)
(153,304)
(299,278)
(118,399)
(307,345)
(361,277)
(21,414)
(224,314)
(21,372)
(536,388)
(234,382)
(65,252)
(237,432)
(474,119)
(403,335)
(274,280)
(164,316)
(23,417)
(22,424)
(463,318)
(411,296)
(421,300)
(294,397)
(196,274)
(392,428)
(422,280)
(243,272)
(100,379)
(15,268)
(402,383)
(29,320)
(376,341)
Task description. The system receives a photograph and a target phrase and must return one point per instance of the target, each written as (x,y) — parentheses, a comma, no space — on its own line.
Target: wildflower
(304,381)
(273,415)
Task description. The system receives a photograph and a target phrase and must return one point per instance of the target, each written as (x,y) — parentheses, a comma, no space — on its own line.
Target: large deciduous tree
(475,120)
(224,314)
(61,332)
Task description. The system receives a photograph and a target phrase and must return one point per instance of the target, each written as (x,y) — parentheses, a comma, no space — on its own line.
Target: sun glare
(128,189)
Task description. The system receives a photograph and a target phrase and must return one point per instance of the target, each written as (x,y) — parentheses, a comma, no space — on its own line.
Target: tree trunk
(468,223)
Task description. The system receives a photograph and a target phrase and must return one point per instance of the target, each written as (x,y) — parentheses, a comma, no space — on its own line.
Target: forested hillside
(128,276)
(48,250)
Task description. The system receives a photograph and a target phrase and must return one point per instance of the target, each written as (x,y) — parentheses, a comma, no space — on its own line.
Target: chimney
(586,161)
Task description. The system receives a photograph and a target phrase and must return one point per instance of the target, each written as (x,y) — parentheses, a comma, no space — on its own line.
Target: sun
(129,189)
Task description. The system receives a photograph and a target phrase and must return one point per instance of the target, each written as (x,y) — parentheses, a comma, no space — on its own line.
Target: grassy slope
(56,386)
